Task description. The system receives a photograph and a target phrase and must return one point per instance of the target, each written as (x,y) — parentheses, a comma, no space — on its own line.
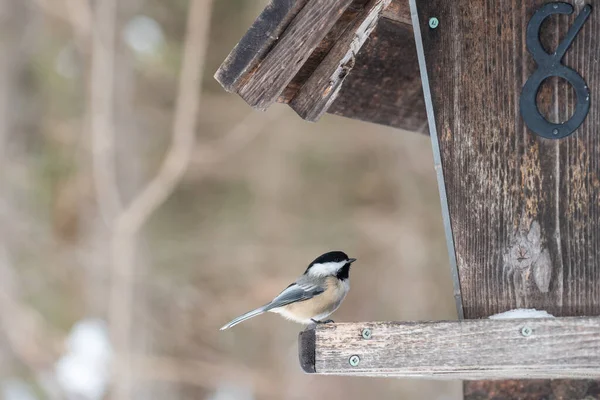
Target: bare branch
(102,110)
(131,219)
(186,108)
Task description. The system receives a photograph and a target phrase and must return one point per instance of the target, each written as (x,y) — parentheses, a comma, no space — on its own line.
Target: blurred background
(142,207)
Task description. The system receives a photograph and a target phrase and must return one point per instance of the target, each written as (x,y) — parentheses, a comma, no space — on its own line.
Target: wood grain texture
(533,389)
(399,11)
(257,42)
(319,54)
(306,353)
(384,87)
(323,86)
(525,211)
(469,349)
(300,39)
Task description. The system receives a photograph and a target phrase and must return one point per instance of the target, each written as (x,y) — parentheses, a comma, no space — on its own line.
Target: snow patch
(522,313)
(84,371)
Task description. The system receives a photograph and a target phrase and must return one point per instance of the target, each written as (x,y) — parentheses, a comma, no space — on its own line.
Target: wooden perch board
(470,349)
(294,46)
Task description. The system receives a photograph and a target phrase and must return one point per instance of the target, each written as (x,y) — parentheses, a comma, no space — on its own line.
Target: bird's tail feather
(246,316)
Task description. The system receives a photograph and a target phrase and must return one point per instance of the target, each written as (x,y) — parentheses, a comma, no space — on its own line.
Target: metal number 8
(550,65)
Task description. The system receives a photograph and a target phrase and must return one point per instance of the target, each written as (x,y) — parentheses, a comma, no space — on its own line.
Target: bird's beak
(351,260)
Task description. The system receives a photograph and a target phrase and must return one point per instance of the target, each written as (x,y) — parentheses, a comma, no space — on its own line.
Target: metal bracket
(550,65)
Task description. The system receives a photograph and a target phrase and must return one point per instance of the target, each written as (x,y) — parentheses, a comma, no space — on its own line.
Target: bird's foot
(329,321)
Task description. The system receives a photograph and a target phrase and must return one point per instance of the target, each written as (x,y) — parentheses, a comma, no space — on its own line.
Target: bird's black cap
(332,256)
(336,257)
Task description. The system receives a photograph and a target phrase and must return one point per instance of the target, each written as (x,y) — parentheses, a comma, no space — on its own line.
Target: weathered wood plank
(533,389)
(268,28)
(399,11)
(299,40)
(319,54)
(323,86)
(525,211)
(257,42)
(384,87)
(469,349)
(306,350)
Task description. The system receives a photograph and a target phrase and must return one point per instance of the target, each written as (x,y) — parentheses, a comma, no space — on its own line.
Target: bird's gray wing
(297,291)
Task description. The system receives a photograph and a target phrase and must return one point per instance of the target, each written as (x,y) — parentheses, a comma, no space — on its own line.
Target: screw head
(526,331)
(555,131)
(366,333)
(433,22)
(354,360)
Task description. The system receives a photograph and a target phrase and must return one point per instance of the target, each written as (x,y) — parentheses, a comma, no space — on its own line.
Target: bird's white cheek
(326,269)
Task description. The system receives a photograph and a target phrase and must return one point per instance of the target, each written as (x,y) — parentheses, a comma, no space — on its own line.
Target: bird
(314,296)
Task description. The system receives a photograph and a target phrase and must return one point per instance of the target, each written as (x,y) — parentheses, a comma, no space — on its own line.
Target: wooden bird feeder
(509,92)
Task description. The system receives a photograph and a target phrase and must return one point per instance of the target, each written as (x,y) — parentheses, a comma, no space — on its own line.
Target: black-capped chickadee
(314,296)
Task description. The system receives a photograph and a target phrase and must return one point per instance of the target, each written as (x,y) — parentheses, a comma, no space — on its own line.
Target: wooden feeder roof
(354,58)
